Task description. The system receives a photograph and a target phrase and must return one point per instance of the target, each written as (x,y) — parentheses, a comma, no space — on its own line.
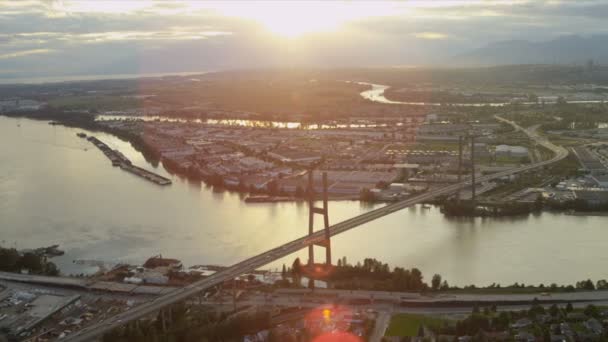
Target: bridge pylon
(459,165)
(312,210)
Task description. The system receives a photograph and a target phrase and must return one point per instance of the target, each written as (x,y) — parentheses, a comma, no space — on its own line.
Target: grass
(408,324)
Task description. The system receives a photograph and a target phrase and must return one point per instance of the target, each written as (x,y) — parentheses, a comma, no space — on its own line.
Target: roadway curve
(248,265)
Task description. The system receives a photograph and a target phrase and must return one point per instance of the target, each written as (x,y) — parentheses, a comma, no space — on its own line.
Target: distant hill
(563,50)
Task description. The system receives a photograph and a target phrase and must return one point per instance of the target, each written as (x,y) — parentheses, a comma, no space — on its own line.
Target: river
(56,188)
(376,94)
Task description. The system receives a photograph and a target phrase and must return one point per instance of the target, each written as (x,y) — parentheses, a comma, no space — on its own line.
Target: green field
(408,324)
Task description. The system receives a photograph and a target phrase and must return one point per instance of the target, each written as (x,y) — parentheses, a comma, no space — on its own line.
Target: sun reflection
(337,337)
(332,324)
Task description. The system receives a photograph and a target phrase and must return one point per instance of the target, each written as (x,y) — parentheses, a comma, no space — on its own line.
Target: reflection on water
(249,123)
(52,190)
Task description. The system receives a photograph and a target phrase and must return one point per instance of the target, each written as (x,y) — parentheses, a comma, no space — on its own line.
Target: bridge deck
(145,309)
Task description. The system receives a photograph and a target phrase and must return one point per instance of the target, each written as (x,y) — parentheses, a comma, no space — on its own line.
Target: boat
(81,135)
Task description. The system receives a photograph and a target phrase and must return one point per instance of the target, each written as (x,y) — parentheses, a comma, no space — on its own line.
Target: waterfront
(53,191)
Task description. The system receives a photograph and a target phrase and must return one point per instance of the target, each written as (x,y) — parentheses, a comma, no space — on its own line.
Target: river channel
(56,188)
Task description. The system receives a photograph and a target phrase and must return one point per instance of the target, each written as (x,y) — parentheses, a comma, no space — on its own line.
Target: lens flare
(337,337)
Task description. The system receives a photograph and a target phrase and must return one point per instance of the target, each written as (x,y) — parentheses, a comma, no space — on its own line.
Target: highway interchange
(92,332)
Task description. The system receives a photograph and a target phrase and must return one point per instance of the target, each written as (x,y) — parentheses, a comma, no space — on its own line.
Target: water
(247,122)
(376,94)
(77,78)
(53,191)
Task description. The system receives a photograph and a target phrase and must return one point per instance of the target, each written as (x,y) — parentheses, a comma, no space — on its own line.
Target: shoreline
(89,122)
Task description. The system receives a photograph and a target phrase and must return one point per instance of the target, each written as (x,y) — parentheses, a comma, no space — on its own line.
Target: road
(248,265)
(384,318)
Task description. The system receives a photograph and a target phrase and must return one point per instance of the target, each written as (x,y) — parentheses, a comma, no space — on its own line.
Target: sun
(290,18)
(296,18)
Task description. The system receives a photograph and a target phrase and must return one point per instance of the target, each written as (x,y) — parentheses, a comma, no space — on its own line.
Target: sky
(85,37)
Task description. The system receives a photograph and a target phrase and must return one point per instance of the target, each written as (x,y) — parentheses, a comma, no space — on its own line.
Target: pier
(120,160)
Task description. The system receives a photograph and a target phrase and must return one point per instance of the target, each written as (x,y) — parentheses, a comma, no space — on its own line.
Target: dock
(268,199)
(120,160)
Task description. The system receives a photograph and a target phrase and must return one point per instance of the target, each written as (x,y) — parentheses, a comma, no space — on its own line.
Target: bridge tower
(459,165)
(312,210)
(473,169)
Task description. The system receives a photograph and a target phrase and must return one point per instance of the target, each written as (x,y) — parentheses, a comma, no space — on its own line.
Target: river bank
(153,155)
(52,191)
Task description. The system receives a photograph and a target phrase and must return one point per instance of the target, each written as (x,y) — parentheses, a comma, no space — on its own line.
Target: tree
(9,259)
(585,284)
(553,310)
(539,202)
(51,269)
(382,185)
(601,284)
(546,335)
(299,192)
(284,272)
(592,311)
(420,331)
(416,279)
(31,262)
(436,282)
(272,187)
(366,195)
(296,270)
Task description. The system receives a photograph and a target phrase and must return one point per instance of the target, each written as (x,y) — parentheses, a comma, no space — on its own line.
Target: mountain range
(572,49)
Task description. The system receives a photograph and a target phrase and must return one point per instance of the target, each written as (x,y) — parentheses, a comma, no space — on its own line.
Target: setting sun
(303,170)
(293,19)
(287,19)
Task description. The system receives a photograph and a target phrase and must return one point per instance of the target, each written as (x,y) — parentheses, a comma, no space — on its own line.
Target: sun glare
(283,18)
(296,18)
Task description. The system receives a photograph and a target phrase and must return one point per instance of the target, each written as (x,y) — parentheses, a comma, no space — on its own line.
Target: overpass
(91,332)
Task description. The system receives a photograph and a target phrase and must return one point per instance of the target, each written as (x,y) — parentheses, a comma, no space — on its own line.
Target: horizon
(75,37)
(33,80)
(311,171)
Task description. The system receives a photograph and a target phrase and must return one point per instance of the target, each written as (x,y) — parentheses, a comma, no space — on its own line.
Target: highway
(91,332)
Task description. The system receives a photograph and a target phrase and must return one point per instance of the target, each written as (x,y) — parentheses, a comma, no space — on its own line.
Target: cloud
(25,53)
(99,36)
(430,35)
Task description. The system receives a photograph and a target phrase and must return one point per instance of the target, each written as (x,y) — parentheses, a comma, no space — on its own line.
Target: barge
(120,160)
